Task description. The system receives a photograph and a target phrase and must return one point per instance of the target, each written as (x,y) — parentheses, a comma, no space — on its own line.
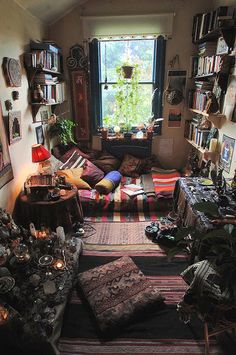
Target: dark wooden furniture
(63,212)
(141,148)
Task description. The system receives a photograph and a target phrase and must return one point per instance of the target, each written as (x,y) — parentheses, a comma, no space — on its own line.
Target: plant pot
(128,135)
(104,134)
(127,71)
(149,134)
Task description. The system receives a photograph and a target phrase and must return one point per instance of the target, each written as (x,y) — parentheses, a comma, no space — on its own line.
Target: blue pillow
(108,183)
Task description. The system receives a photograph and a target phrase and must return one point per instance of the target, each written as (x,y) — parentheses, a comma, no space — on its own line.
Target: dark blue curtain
(95,95)
(159,75)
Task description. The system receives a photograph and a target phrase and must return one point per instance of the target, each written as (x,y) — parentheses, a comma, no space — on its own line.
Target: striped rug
(124,216)
(158,332)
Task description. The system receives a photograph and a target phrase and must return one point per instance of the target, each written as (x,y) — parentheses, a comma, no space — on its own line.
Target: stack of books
(133,190)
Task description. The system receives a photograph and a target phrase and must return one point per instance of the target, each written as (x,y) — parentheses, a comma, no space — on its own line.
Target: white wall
(16,30)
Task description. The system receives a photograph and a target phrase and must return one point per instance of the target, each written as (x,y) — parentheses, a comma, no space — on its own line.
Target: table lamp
(39,154)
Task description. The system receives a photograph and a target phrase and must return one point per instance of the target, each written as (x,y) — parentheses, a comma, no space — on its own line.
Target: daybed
(158,183)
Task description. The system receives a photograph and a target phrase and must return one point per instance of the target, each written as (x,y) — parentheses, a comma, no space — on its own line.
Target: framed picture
(44,116)
(222,47)
(80,106)
(174,120)
(227,150)
(39,134)
(15,133)
(6,173)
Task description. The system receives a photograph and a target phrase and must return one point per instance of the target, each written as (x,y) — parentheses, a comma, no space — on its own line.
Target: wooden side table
(63,212)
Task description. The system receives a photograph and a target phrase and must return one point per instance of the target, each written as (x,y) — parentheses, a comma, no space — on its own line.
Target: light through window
(114,54)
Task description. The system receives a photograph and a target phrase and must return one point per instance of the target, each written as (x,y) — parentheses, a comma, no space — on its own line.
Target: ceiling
(48,11)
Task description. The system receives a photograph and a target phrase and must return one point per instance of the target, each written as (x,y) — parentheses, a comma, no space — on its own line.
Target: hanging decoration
(105,84)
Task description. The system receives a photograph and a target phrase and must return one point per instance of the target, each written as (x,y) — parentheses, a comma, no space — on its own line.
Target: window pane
(144,107)
(115,53)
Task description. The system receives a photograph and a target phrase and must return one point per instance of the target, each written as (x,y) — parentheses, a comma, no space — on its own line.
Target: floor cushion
(117,291)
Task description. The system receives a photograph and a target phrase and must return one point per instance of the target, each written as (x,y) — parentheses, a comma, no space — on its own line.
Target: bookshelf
(44,68)
(215,118)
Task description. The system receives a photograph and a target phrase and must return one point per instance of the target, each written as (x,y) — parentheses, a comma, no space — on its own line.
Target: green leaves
(63,128)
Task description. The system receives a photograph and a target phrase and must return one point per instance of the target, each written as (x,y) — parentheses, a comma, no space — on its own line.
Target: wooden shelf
(44,70)
(215,118)
(200,149)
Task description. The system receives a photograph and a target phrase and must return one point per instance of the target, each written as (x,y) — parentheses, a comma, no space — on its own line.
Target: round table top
(68,195)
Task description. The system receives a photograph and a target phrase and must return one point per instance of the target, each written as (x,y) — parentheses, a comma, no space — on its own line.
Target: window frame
(96,83)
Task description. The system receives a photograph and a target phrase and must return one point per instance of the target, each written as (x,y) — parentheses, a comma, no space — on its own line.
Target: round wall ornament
(12,71)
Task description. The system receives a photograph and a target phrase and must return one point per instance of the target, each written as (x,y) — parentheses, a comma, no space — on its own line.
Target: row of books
(51,93)
(197,135)
(203,23)
(43,59)
(42,78)
(208,65)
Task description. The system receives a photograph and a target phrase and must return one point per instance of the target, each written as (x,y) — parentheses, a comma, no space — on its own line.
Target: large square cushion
(117,291)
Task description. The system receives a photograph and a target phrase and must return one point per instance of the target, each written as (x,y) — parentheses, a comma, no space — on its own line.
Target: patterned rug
(159,332)
(124,216)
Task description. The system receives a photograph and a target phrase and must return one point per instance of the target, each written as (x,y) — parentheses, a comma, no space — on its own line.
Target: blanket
(164,182)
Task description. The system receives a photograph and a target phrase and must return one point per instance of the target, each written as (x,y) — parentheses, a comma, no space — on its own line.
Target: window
(106,56)
(112,55)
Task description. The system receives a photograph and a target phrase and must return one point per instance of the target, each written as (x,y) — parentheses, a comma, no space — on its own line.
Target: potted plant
(62,128)
(127,71)
(127,98)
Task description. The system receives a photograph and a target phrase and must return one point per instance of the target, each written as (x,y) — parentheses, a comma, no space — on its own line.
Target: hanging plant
(127,98)
(127,71)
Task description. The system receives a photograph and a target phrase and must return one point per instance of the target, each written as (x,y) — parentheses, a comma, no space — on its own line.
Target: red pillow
(92,174)
(68,154)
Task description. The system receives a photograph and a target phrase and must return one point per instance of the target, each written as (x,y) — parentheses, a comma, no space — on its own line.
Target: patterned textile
(110,181)
(74,161)
(131,166)
(116,291)
(205,294)
(118,201)
(164,182)
(122,216)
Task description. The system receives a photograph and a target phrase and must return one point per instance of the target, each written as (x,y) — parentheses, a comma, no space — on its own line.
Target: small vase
(149,134)
(104,134)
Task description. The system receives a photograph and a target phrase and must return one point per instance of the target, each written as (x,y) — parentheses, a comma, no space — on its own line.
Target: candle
(213,145)
(4,314)
(59,264)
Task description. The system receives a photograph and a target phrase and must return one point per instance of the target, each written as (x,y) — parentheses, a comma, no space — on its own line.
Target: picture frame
(39,134)
(221,47)
(227,150)
(6,172)
(80,106)
(14,124)
(44,116)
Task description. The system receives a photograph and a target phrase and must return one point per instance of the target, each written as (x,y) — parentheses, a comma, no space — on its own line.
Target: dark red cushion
(68,154)
(92,174)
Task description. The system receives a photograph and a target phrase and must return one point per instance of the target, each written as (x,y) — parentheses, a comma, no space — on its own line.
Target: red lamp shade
(39,153)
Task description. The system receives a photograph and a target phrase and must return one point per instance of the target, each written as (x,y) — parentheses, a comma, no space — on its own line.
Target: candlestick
(4,315)
(213,145)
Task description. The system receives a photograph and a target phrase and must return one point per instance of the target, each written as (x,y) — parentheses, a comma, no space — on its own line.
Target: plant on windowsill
(127,98)
(62,128)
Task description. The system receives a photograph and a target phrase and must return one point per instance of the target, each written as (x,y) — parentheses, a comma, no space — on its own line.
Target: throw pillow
(107,162)
(69,153)
(117,291)
(74,177)
(131,166)
(92,174)
(108,183)
(74,161)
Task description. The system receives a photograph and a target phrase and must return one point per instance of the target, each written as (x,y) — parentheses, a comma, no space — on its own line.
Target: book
(132,193)
(133,187)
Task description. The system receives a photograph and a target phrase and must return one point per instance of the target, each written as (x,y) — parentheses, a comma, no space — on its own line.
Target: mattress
(119,201)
